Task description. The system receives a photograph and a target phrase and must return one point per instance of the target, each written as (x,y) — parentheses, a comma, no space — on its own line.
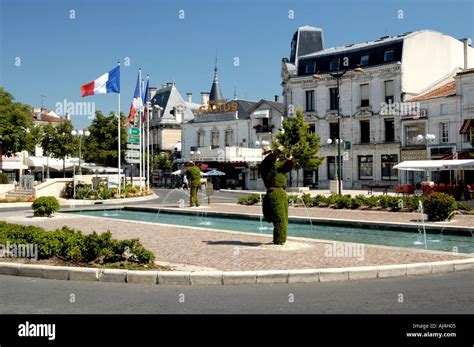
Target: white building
(170,110)
(448,114)
(227,141)
(395,69)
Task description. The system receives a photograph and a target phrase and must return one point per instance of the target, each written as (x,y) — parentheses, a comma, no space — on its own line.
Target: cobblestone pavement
(202,249)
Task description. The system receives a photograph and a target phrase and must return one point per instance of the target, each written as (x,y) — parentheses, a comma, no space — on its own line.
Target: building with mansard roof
(224,134)
(396,69)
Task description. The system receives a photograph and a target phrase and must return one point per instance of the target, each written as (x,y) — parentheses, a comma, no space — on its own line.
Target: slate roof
(355,46)
(216,93)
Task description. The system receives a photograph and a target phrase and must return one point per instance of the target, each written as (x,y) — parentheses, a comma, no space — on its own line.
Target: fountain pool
(398,237)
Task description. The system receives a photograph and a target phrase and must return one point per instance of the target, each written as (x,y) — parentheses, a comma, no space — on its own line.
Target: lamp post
(337,76)
(80,134)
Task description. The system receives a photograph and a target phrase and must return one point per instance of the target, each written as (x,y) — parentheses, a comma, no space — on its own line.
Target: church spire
(216,95)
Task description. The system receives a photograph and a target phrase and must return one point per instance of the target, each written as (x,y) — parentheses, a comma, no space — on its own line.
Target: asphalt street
(432,294)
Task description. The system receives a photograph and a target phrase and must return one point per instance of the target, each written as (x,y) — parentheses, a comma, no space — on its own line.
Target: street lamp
(80,134)
(338,75)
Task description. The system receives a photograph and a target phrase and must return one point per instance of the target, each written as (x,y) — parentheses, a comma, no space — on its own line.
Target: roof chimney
(204,98)
(467,43)
(190,97)
(277,98)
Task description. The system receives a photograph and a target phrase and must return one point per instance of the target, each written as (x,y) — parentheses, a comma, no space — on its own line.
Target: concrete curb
(234,277)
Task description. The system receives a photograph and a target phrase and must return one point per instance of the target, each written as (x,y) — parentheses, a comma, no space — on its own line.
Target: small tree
(45,206)
(297,142)
(16,126)
(101,145)
(58,142)
(162,161)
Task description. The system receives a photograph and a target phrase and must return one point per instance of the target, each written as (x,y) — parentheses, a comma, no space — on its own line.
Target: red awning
(466,126)
(461,155)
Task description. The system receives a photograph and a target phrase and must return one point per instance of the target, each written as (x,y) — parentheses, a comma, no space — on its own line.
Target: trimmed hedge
(72,245)
(251,199)
(439,206)
(45,206)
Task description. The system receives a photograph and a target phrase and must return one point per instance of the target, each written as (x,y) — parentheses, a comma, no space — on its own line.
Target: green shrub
(439,206)
(45,206)
(462,206)
(331,199)
(306,198)
(83,192)
(103,192)
(293,197)
(411,202)
(343,201)
(319,200)
(372,201)
(73,245)
(358,201)
(3,178)
(251,199)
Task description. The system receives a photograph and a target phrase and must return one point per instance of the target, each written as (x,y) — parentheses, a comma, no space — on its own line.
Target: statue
(275,203)
(193,174)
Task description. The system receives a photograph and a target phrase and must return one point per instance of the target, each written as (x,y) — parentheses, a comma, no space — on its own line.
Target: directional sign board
(132,161)
(132,146)
(133,139)
(133,131)
(132,154)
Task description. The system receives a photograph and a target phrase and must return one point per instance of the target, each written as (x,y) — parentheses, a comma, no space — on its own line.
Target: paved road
(447,293)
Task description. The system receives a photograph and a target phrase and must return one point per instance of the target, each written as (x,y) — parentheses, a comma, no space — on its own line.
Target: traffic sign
(133,139)
(132,154)
(345,156)
(133,131)
(133,146)
(132,161)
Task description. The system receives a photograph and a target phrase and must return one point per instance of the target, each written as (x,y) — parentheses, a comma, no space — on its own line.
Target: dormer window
(333,65)
(310,68)
(388,55)
(364,60)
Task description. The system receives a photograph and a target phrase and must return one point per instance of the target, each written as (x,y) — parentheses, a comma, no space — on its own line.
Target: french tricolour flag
(107,83)
(137,102)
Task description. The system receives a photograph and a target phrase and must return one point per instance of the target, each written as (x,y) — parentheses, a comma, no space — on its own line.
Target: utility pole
(42,100)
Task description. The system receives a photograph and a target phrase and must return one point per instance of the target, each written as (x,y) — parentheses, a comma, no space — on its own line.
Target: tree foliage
(101,146)
(297,142)
(16,125)
(57,141)
(162,161)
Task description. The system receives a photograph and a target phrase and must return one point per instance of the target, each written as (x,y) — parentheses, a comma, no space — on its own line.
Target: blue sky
(59,54)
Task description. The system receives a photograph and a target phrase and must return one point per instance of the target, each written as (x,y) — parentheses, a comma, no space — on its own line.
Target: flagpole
(142,86)
(140,122)
(147,138)
(119,140)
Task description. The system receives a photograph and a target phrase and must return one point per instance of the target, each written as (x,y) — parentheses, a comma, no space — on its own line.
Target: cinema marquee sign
(218,106)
